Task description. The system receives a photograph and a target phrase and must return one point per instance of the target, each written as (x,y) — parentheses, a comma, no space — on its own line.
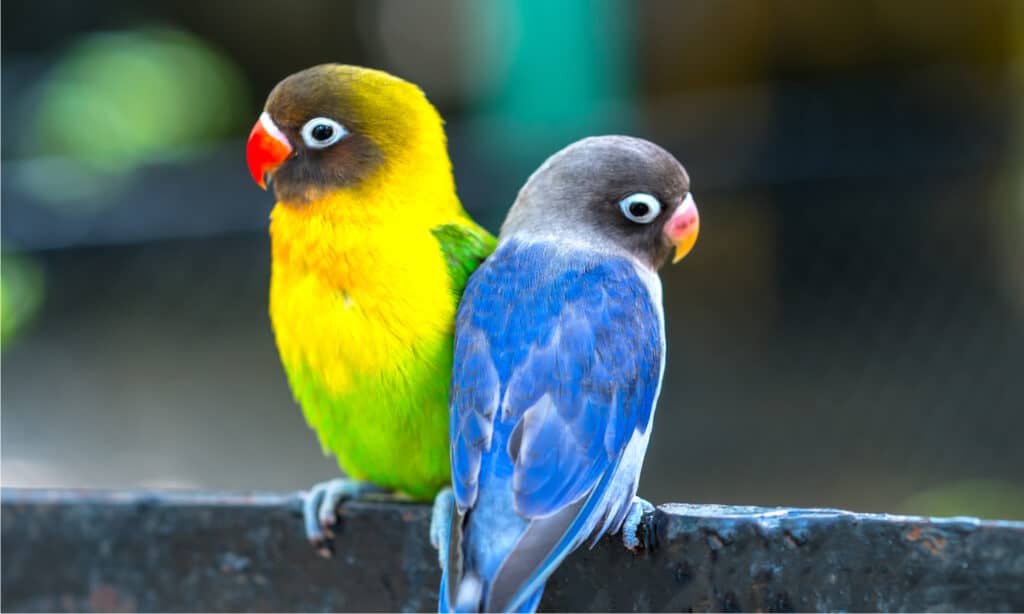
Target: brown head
(333,126)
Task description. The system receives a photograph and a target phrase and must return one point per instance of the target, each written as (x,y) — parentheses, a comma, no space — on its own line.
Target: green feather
(464,246)
(391,429)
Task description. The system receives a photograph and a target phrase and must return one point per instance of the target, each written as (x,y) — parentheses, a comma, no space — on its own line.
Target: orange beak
(682,228)
(266,150)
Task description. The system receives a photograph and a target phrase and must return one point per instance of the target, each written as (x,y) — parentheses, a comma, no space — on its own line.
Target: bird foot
(638,527)
(441,524)
(320,509)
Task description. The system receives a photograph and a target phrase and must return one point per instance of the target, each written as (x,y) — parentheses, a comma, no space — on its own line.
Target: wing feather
(558,356)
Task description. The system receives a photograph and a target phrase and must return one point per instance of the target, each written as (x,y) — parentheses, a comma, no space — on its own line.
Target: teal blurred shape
(118,100)
(549,73)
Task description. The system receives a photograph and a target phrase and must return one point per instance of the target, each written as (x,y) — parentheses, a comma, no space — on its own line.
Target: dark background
(849,331)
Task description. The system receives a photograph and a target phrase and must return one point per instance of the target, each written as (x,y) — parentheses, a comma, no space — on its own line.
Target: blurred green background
(849,331)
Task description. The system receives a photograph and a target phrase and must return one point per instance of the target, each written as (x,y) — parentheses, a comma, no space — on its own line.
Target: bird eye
(321,132)
(640,207)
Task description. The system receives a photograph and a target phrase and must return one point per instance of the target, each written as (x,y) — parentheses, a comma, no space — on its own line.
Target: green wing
(465,246)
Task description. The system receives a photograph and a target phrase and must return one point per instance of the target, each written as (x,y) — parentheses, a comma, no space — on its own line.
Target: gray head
(615,193)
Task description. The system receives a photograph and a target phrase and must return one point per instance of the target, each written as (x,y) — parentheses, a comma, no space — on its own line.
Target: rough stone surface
(89,551)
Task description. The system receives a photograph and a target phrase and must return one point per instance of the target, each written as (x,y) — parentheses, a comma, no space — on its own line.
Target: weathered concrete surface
(67,550)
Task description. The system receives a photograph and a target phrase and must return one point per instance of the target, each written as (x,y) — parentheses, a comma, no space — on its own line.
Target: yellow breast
(357,286)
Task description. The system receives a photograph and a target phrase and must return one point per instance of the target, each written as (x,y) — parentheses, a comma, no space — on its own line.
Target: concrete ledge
(170,551)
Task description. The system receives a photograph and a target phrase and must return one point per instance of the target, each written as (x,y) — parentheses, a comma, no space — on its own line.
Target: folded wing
(558,359)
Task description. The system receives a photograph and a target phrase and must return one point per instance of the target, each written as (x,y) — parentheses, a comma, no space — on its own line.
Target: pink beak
(683,227)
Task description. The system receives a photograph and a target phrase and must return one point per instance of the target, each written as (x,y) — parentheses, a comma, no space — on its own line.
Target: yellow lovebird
(371,250)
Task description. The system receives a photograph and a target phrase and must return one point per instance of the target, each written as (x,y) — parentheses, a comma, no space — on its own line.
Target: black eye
(641,208)
(321,132)
(638,208)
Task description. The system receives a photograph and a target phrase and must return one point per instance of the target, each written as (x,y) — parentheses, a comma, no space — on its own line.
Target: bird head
(617,192)
(333,126)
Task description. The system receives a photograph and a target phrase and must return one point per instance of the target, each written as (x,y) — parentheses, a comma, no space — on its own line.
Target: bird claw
(441,524)
(638,527)
(320,510)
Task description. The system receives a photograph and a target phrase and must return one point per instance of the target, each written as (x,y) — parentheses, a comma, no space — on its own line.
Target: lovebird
(371,250)
(559,355)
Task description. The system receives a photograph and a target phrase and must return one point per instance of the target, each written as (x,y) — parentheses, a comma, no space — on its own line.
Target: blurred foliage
(125,97)
(21,294)
(983,498)
(117,100)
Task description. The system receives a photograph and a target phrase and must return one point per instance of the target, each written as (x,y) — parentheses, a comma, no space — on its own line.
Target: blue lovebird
(559,355)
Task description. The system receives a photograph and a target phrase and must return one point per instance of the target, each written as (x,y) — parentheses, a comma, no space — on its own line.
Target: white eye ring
(336,132)
(641,208)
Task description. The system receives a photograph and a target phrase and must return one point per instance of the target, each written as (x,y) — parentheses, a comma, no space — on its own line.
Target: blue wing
(557,365)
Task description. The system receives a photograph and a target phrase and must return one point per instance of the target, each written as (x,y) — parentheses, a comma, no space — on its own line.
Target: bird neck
(352,227)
